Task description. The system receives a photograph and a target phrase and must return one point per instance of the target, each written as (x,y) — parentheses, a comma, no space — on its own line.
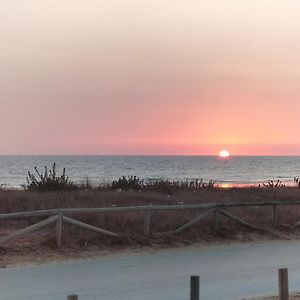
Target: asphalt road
(226,272)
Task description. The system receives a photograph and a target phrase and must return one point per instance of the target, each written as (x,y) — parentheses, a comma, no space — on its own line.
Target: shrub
(169,187)
(162,185)
(49,181)
(271,184)
(297,181)
(128,183)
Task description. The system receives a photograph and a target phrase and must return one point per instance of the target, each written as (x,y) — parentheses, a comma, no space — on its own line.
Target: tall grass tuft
(49,181)
(272,185)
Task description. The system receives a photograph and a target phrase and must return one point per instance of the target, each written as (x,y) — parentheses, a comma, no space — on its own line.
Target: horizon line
(153,155)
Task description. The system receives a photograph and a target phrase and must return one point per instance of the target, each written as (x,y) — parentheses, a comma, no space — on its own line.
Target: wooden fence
(60,216)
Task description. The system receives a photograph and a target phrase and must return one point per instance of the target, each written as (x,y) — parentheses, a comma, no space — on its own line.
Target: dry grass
(132,223)
(20,200)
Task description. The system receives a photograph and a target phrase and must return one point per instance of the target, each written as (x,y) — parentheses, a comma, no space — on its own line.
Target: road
(227,272)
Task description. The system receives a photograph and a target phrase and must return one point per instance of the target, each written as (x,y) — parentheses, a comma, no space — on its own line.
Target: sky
(150,77)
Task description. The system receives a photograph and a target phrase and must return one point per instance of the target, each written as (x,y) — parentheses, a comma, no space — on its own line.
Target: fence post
(147,222)
(59,224)
(195,288)
(73,297)
(216,218)
(283,284)
(275,216)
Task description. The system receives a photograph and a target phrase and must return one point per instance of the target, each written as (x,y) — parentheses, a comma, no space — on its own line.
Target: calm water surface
(237,169)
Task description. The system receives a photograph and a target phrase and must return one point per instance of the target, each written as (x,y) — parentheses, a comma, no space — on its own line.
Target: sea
(227,172)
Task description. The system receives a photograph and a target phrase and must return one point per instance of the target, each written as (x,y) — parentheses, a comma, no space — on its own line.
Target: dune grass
(132,223)
(79,243)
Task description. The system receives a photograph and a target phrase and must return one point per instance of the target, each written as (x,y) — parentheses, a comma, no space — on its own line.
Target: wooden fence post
(147,222)
(59,224)
(275,216)
(216,218)
(283,284)
(73,297)
(195,288)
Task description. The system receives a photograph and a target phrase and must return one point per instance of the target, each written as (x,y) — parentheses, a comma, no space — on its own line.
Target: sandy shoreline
(38,255)
(219,183)
(34,255)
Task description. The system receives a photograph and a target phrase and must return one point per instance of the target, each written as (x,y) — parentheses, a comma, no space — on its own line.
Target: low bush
(49,181)
(162,185)
(169,187)
(128,183)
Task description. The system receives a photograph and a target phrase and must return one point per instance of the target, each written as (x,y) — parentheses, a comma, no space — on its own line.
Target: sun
(224,153)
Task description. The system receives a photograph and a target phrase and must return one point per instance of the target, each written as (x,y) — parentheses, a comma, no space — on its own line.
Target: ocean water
(233,170)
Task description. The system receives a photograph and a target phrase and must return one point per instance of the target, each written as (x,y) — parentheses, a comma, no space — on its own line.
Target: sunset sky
(150,77)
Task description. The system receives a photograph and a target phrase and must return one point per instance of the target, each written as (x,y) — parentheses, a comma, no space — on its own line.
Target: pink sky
(150,77)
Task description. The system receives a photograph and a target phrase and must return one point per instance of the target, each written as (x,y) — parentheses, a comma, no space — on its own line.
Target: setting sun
(224,153)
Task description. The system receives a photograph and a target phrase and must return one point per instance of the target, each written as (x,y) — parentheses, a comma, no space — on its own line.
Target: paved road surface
(227,272)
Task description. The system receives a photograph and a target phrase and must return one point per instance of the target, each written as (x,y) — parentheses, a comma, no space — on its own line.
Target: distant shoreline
(219,184)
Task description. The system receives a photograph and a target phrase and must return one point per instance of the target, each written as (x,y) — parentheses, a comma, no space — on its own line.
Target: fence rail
(63,215)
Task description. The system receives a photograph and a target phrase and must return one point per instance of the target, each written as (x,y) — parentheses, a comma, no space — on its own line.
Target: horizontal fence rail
(63,215)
